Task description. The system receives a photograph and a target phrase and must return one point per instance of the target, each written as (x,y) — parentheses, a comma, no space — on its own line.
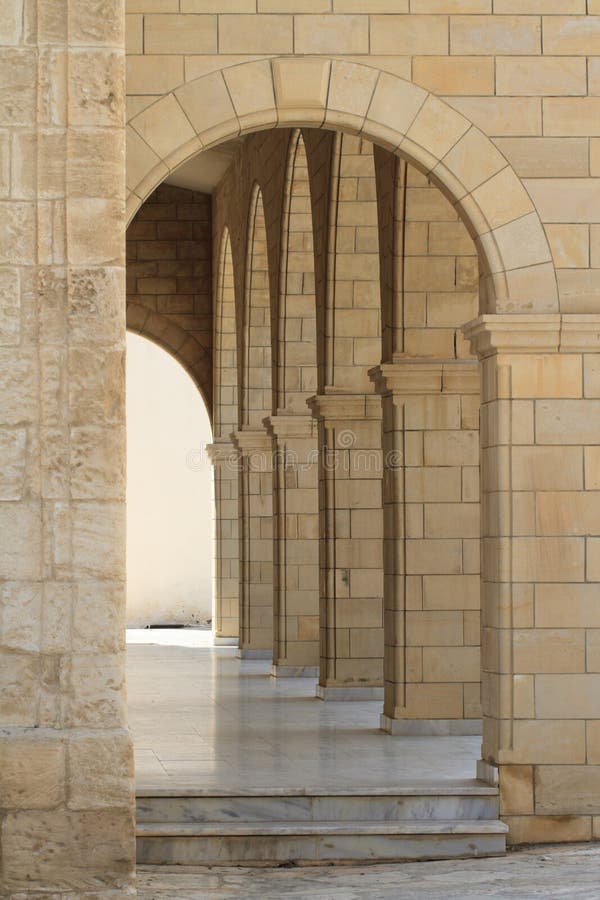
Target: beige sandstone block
(149,75)
(450,6)
(69,851)
(437,128)
(547,468)
(451,592)
(567,421)
(591,376)
(592,559)
(592,468)
(502,199)
(572,35)
(152,6)
(98,540)
(10,307)
(447,448)
(100,771)
(250,87)
(595,246)
(547,559)
(570,245)
(567,512)
(95,693)
(539,157)
(409,35)
(452,664)
(434,701)
(567,606)
(297,6)
(256,34)
(432,484)
(539,6)
(173,34)
(548,650)
(452,520)
(564,790)
(20,558)
(134,34)
(21,604)
(592,730)
(572,117)
(434,557)
(544,742)
(32,771)
(567,696)
(548,829)
(207,104)
(502,116)
(516,790)
(214,6)
(395,104)
(331,34)
(556,375)
(17,87)
(454,74)
(96,87)
(541,77)
(164,126)
(351,88)
(482,35)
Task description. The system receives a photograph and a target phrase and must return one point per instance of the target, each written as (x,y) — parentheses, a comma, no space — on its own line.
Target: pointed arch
(256,384)
(296,364)
(225,368)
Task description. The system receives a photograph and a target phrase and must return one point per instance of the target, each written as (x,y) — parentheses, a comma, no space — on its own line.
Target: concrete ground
(537,872)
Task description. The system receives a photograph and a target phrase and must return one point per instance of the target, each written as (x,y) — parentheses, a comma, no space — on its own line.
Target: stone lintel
(415,377)
(345,407)
(567,333)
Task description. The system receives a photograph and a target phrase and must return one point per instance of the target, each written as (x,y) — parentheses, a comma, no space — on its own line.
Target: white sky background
(169,506)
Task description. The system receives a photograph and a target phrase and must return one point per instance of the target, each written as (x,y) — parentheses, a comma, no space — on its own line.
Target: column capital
(416,377)
(345,407)
(299,426)
(252,440)
(220,452)
(568,333)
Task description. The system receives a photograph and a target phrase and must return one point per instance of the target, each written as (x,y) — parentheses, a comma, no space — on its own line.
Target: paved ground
(203,718)
(539,872)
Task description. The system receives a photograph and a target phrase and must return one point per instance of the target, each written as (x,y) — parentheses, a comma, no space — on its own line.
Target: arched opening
(401,412)
(169,565)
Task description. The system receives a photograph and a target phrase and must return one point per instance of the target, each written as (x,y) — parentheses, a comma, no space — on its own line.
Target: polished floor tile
(202,718)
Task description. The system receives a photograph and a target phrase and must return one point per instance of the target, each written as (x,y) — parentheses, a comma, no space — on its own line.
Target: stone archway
(336,94)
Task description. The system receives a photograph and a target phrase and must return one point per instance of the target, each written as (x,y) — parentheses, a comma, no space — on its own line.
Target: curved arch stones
(517,271)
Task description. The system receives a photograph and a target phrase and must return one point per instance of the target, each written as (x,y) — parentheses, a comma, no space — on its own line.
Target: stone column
(224,458)
(255,542)
(351,564)
(431,546)
(295,546)
(540,430)
(66,768)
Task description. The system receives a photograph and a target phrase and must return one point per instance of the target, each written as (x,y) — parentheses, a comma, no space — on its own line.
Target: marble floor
(203,720)
(531,874)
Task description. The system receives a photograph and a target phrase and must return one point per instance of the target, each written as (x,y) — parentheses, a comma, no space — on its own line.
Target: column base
(225,641)
(252,653)
(487,772)
(434,727)
(352,692)
(294,671)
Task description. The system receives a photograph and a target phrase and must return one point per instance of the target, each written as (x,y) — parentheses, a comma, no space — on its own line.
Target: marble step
(271,843)
(480,803)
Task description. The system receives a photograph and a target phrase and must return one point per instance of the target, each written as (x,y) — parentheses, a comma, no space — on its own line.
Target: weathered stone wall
(66,767)
(169,280)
